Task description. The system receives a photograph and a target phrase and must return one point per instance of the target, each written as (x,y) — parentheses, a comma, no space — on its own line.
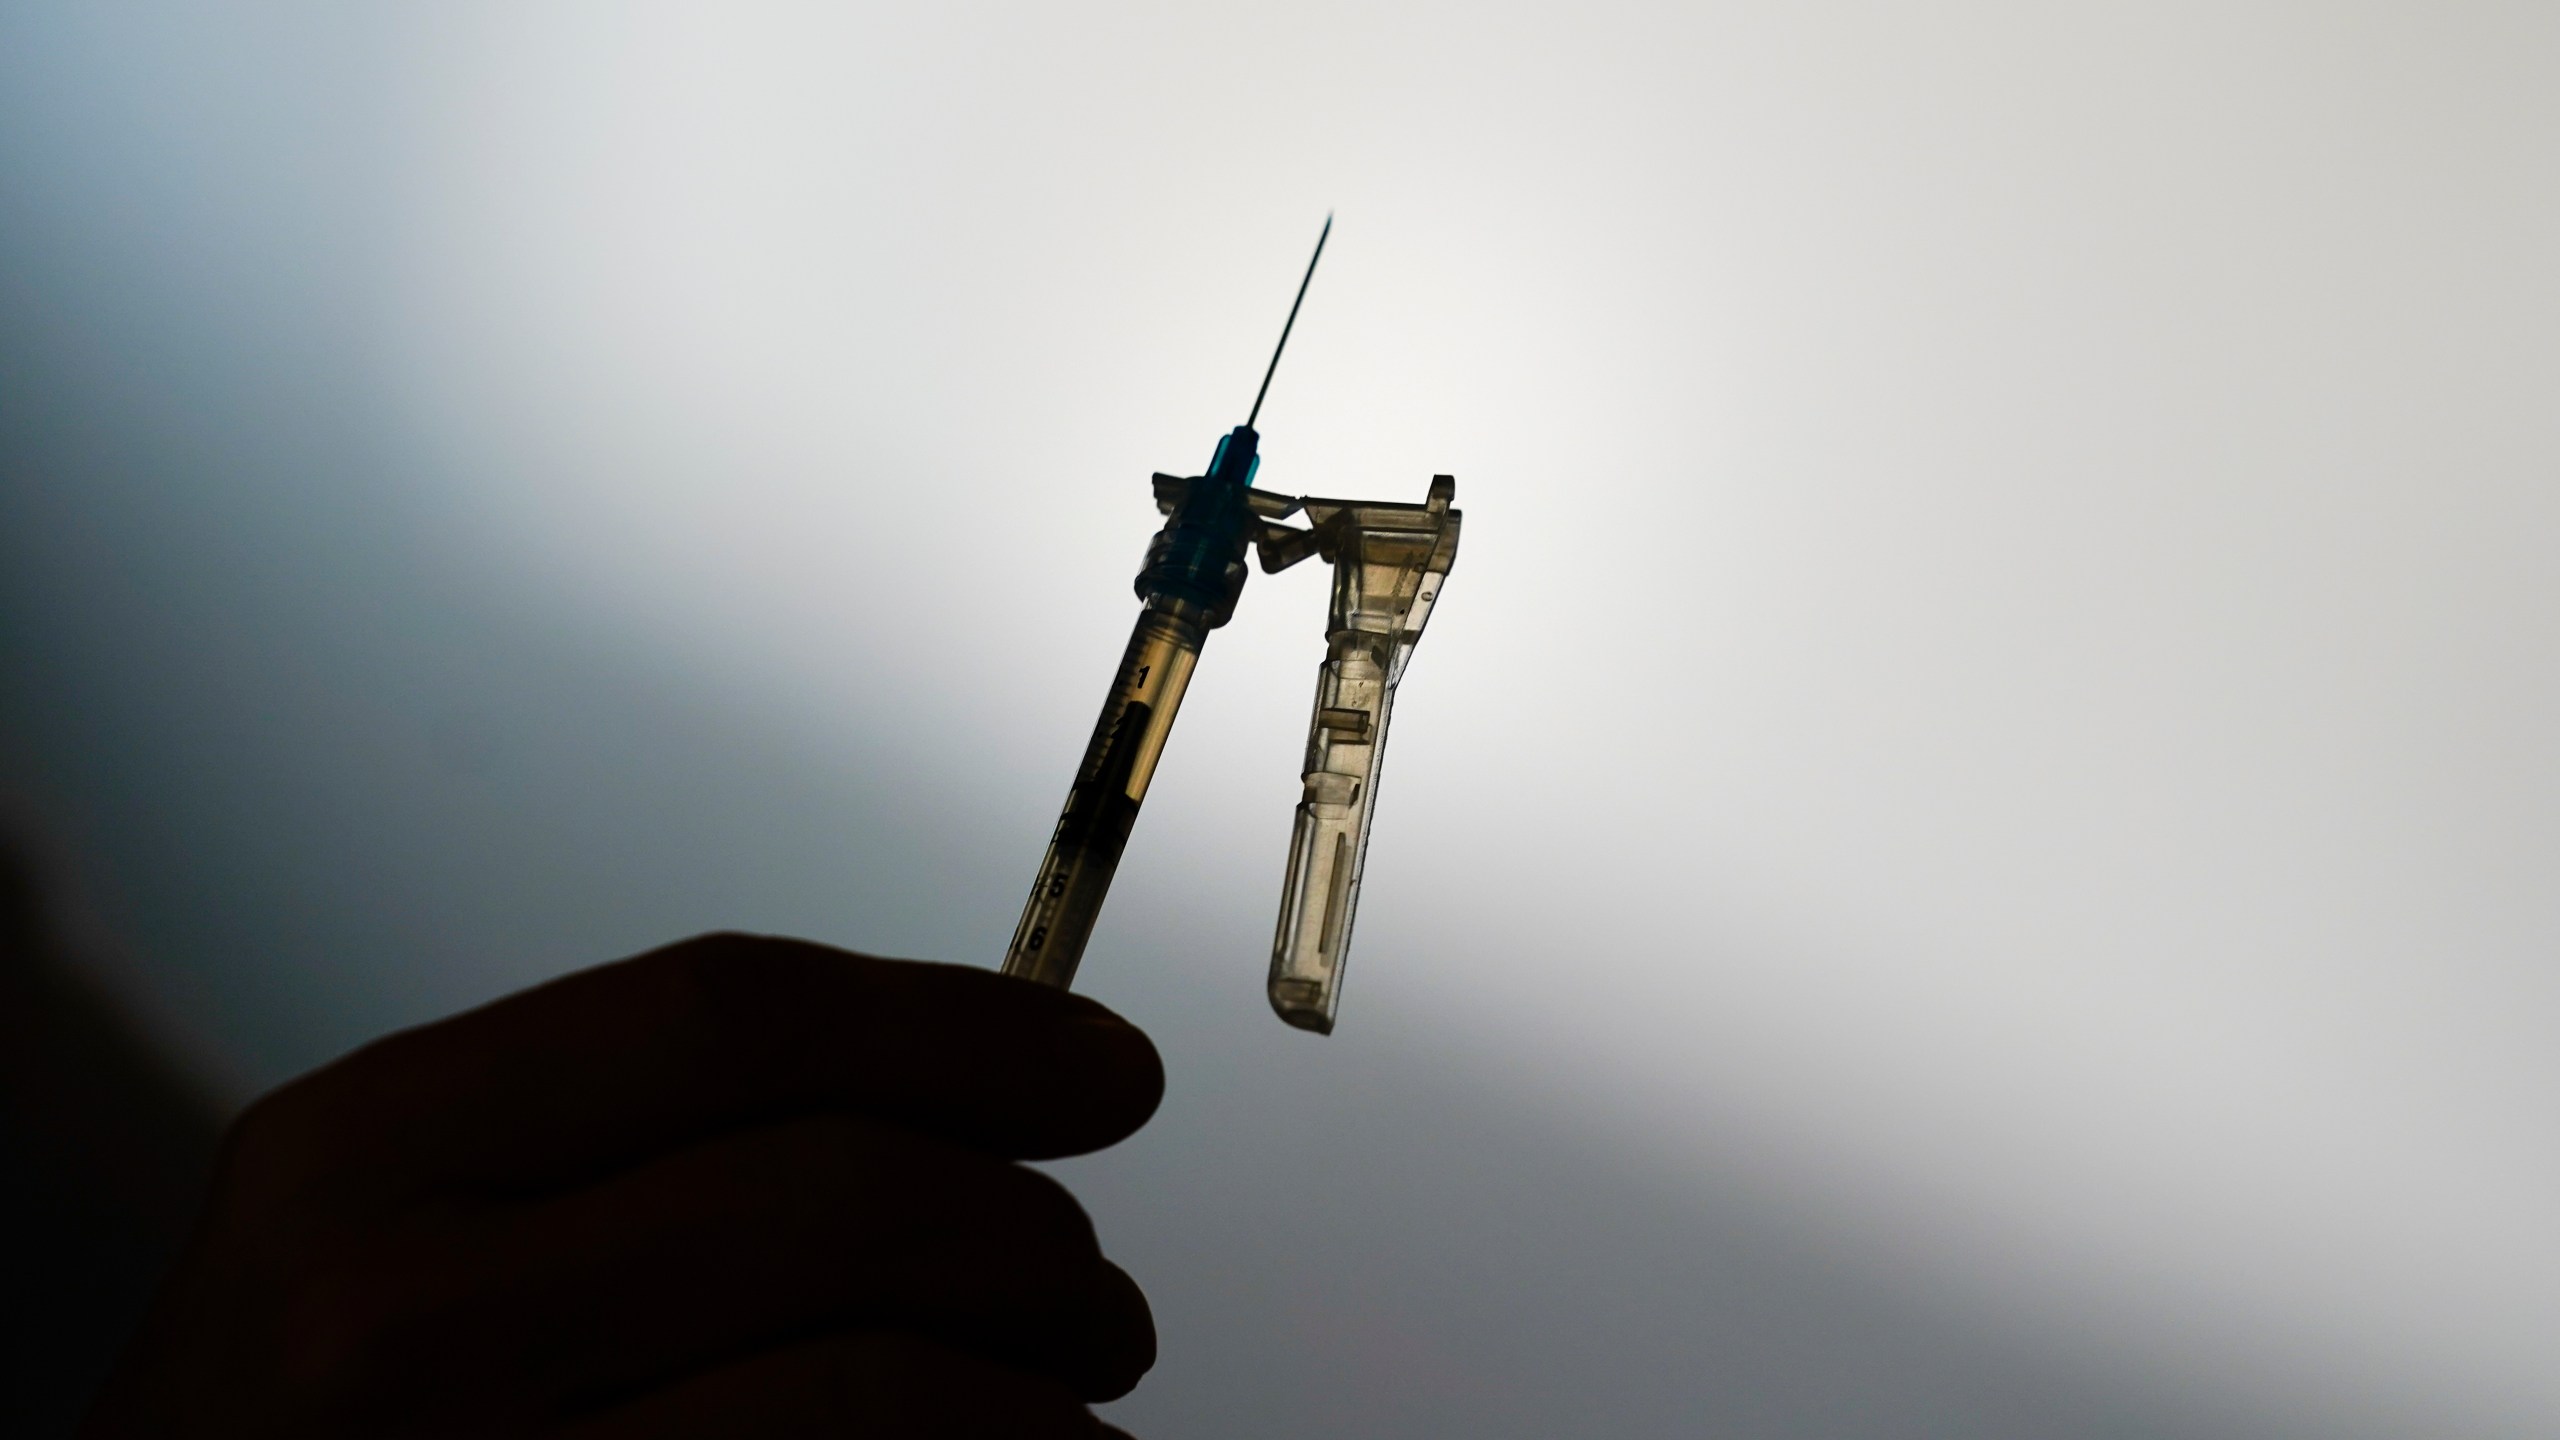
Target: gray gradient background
(1971,853)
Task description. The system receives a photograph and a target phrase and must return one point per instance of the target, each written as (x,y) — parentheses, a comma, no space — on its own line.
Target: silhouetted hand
(737,1187)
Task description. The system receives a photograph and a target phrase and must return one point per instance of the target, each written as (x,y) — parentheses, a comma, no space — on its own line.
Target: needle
(1293,320)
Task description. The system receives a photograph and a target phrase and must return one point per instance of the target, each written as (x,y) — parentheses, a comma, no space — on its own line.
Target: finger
(742,1243)
(1118,1347)
(611,1065)
(871,1384)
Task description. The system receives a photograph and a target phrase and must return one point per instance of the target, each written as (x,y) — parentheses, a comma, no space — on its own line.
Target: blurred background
(1970,853)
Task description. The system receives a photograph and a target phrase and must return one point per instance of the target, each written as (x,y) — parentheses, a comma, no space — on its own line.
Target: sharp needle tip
(1274,367)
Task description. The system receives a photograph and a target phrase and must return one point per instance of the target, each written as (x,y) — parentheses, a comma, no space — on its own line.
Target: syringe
(1194,573)
(1389,561)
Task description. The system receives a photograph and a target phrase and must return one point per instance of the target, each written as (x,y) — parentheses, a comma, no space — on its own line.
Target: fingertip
(1132,1064)
(1120,1345)
(1075,1075)
(1113,1081)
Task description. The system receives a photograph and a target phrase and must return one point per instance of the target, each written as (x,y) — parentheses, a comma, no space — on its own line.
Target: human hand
(738,1187)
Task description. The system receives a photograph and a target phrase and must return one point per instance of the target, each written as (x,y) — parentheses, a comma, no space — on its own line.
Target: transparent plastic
(1389,562)
(1111,783)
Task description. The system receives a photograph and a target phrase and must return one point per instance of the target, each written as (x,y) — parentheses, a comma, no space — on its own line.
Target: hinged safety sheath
(1389,562)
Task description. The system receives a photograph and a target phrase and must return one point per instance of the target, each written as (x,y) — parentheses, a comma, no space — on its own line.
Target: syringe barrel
(1084,851)
(1346,746)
